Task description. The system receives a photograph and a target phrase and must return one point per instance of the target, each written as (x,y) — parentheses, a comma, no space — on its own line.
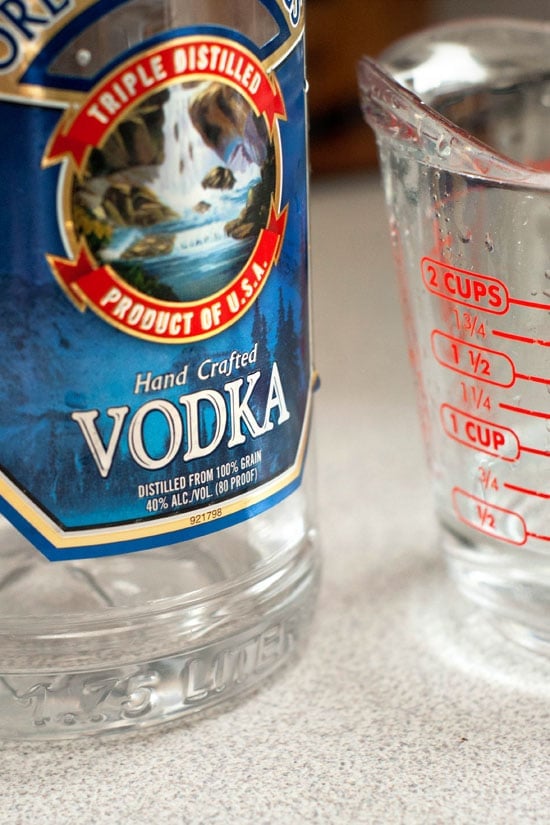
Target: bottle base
(511,585)
(65,682)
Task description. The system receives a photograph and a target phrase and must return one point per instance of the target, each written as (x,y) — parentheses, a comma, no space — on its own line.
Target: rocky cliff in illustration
(227,124)
(115,192)
(137,141)
(255,214)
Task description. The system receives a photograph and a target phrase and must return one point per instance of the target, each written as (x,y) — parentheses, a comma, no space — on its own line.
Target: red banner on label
(138,314)
(189,58)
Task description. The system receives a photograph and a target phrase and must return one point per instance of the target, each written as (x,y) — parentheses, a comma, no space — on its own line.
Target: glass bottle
(158,546)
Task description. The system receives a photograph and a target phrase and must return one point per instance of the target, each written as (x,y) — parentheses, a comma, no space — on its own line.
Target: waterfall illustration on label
(174,241)
(156,329)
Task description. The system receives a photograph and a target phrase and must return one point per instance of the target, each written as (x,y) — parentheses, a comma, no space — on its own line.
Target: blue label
(154,323)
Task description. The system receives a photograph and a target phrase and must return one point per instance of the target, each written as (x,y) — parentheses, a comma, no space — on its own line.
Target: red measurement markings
(523,339)
(480,435)
(525,490)
(488,518)
(476,397)
(470,324)
(530,304)
(524,411)
(524,449)
(530,414)
(538,536)
(470,289)
(468,359)
(488,479)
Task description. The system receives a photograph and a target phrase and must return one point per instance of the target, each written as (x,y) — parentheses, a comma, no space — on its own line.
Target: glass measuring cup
(461,114)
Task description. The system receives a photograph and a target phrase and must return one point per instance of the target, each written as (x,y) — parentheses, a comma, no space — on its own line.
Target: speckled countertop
(407,707)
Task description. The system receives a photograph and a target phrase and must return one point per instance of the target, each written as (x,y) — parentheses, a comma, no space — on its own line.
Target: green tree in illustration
(287,347)
(280,344)
(259,332)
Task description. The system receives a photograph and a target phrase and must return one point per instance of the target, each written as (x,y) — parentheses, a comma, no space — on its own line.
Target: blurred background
(339,32)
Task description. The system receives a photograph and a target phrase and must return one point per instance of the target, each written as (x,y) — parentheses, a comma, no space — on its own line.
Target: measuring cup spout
(468,97)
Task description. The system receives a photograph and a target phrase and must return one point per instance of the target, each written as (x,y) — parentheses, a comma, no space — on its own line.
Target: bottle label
(156,380)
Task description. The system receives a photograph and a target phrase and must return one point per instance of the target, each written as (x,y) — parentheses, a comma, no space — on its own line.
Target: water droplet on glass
(547,273)
(534,293)
(489,243)
(466,236)
(443,147)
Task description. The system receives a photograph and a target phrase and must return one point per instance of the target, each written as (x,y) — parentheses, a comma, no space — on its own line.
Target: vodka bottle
(158,550)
